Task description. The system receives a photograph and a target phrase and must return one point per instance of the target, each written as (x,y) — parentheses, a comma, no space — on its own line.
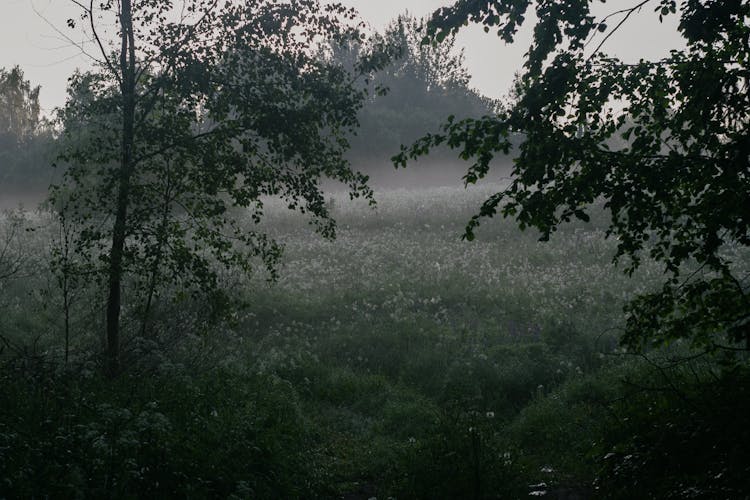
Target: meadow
(396,361)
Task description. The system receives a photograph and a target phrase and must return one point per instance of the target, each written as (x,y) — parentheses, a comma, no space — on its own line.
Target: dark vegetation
(184,318)
(423,85)
(26,142)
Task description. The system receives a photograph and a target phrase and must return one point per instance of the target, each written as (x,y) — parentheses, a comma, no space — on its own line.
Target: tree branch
(628,13)
(94,33)
(65,37)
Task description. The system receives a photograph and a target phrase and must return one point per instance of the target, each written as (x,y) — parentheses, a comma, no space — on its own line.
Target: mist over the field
(282,249)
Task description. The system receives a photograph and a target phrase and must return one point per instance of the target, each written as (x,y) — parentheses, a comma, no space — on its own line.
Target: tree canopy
(678,187)
(19,106)
(26,140)
(193,112)
(423,83)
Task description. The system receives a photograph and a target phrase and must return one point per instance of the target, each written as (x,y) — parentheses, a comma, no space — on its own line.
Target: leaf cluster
(662,144)
(233,105)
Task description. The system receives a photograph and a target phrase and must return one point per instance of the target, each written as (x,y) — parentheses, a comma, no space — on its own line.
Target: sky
(29,37)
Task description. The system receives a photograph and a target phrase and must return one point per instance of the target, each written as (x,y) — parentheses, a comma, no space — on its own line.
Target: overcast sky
(28,38)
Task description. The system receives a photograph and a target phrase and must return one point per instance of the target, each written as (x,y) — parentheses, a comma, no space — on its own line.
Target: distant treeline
(414,95)
(26,140)
(425,84)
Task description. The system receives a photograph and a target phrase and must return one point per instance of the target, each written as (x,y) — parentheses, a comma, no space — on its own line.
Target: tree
(193,111)
(678,191)
(424,83)
(26,140)
(19,106)
(436,66)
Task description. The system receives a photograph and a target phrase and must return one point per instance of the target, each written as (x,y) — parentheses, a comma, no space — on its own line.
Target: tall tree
(194,110)
(424,82)
(678,189)
(26,140)
(19,106)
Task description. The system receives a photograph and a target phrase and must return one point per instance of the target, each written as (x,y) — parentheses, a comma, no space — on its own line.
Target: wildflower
(538,490)
(506,458)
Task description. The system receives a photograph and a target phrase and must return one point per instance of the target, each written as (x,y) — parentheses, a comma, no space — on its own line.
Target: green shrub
(223,434)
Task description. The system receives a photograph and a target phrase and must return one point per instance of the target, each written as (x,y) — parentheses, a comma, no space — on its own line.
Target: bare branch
(628,12)
(65,37)
(94,33)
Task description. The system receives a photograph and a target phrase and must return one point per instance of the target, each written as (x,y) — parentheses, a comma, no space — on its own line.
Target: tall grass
(395,360)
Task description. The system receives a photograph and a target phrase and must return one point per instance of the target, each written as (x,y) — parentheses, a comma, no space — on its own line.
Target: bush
(222,434)
(681,435)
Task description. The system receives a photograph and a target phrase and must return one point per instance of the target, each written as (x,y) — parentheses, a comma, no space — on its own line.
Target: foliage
(19,106)
(423,83)
(219,434)
(362,369)
(218,108)
(680,432)
(13,259)
(26,142)
(677,190)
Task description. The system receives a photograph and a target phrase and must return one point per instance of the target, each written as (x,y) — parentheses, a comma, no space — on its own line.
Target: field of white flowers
(399,331)
(403,265)
(394,360)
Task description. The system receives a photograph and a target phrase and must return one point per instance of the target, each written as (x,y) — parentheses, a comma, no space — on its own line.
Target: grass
(396,360)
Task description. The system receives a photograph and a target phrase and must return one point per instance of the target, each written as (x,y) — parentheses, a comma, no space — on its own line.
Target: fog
(30,36)
(229,290)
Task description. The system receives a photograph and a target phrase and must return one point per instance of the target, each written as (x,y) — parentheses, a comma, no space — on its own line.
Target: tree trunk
(161,242)
(119,233)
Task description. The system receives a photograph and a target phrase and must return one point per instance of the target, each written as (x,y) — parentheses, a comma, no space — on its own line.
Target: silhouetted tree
(678,189)
(26,139)
(19,106)
(423,83)
(190,112)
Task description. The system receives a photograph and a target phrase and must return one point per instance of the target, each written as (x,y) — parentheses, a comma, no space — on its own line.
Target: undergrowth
(395,361)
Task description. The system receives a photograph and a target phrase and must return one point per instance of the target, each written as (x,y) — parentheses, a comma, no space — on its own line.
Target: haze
(28,38)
